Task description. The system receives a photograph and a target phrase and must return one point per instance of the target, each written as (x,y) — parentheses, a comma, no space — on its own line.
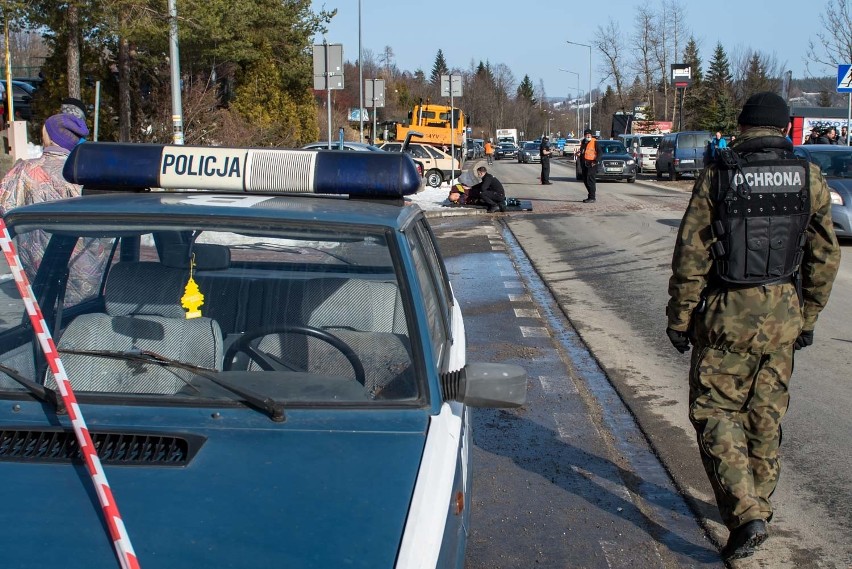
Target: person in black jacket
(544,153)
(489,190)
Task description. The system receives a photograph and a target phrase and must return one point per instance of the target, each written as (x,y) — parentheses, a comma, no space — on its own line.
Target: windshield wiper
(269,406)
(42,393)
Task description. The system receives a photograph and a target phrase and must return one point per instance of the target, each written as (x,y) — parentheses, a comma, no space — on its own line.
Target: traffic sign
(844,78)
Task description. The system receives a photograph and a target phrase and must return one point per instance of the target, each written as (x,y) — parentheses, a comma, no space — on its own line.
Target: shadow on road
(593,478)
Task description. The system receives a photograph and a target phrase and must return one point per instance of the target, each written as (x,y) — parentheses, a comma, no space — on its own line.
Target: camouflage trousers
(736,403)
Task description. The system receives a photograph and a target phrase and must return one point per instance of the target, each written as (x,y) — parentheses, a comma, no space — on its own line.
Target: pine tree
(526,90)
(438,69)
(755,79)
(719,76)
(695,97)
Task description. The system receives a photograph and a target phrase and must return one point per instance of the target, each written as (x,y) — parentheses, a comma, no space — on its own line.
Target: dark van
(681,152)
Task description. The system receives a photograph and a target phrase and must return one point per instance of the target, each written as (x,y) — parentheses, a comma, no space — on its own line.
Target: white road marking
(534,332)
(527,313)
(562,385)
(513,284)
(519,297)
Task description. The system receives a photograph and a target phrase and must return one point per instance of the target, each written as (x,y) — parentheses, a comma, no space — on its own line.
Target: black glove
(805,339)
(680,340)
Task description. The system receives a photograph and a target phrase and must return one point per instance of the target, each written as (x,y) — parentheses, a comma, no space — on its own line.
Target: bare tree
(386,59)
(660,43)
(28,51)
(504,84)
(609,42)
(833,44)
(676,20)
(643,51)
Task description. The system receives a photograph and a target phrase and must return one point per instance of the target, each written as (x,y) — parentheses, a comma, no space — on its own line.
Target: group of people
(488,192)
(827,135)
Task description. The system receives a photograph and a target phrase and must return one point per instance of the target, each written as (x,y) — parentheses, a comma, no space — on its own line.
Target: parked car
(470,150)
(530,152)
(614,163)
(357,147)
(836,165)
(480,149)
(643,148)
(345,145)
(505,150)
(22,97)
(571,147)
(439,165)
(681,152)
(269,374)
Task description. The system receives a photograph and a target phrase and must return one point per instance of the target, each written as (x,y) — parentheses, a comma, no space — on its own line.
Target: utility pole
(174,60)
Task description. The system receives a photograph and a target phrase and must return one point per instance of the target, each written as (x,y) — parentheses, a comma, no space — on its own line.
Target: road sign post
(844,85)
(451,86)
(375,89)
(328,73)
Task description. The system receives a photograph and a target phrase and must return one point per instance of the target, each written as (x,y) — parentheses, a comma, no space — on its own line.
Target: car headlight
(836,198)
(631,162)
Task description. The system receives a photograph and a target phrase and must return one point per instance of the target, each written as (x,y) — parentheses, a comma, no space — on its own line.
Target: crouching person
(489,190)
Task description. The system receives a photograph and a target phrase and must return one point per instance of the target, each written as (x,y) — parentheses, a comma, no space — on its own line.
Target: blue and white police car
(267,352)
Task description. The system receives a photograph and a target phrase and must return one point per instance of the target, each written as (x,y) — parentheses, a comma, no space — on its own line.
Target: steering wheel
(268,362)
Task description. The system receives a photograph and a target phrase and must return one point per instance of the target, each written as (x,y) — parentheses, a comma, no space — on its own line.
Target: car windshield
(611,148)
(311,314)
(507,146)
(833,164)
(532,146)
(650,141)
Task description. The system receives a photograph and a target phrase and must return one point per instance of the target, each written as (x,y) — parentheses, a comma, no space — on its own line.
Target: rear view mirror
(486,385)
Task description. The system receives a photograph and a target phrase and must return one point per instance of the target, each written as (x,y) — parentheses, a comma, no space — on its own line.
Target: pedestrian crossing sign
(844,78)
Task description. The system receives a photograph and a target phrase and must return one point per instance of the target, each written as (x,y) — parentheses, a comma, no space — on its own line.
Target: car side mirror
(486,385)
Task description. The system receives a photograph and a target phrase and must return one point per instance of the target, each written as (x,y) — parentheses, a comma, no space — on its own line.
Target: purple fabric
(66,130)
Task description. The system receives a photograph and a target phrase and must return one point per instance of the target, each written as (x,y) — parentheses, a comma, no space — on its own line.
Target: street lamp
(578,99)
(361,80)
(590,77)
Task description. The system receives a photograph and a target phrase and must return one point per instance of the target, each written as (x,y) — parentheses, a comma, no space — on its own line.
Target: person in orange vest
(489,151)
(588,153)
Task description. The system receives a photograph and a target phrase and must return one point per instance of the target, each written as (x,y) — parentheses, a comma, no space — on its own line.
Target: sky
(530,36)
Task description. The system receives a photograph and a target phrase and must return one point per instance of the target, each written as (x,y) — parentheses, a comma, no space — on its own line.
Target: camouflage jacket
(759,319)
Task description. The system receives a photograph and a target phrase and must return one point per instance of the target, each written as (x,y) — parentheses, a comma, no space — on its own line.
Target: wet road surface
(568,480)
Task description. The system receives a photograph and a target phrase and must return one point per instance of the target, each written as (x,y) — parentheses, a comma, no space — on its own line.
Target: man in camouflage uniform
(745,335)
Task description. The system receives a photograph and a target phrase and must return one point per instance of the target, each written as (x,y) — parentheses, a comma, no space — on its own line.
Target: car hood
(317,491)
(616,157)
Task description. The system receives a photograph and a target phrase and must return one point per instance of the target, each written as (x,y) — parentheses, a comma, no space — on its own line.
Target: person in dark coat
(489,190)
(544,152)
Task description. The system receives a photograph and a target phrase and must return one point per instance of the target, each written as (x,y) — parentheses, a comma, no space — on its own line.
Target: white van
(643,148)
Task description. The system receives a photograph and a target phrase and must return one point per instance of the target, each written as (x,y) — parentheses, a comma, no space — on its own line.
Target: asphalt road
(606,265)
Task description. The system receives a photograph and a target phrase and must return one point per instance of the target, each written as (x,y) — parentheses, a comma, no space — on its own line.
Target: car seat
(143,312)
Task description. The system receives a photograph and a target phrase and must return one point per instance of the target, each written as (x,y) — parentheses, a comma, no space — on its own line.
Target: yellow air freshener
(192,298)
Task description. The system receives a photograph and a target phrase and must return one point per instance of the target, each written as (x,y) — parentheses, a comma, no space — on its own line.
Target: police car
(264,349)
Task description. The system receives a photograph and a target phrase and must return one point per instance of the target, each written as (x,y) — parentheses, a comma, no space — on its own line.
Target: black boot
(744,540)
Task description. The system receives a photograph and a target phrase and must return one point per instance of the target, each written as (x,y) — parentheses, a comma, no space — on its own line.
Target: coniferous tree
(438,69)
(695,95)
(755,79)
(720,110)
(526,90)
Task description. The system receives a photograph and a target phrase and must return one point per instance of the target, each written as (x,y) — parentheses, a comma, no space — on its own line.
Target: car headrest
(208,257)
(145,288)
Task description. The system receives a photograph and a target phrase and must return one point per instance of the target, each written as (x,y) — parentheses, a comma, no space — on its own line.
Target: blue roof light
(251,170)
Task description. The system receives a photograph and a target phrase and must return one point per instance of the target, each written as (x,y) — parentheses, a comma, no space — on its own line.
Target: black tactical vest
(762,209)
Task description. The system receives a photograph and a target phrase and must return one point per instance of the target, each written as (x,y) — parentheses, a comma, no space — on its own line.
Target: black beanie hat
(765,109)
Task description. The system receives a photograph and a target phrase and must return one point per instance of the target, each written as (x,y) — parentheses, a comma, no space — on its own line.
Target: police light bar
(117,166)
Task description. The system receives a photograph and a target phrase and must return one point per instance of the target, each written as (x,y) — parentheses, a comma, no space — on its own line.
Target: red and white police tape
(118,533)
